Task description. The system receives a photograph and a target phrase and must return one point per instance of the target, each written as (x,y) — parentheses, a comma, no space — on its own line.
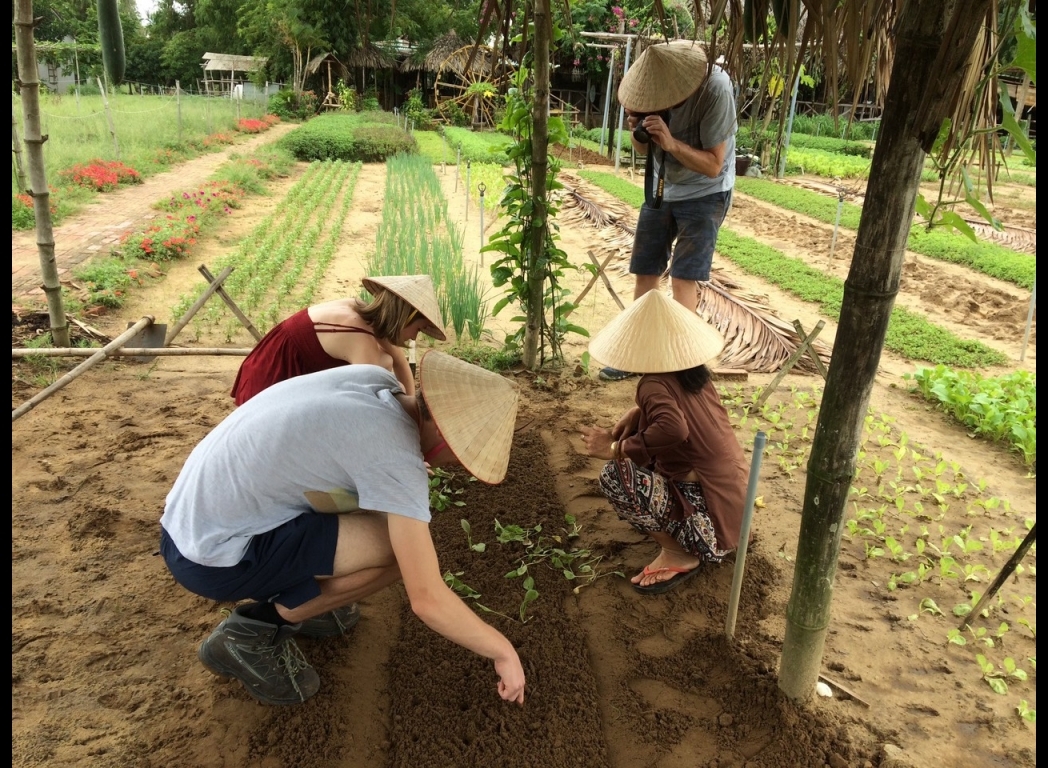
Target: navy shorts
(693,224)
(279,566)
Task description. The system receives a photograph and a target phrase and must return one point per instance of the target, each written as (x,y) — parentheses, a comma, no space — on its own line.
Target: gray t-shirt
(703,121)
(336,430)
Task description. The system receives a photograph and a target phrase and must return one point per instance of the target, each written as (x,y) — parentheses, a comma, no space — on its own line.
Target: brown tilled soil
(104,668)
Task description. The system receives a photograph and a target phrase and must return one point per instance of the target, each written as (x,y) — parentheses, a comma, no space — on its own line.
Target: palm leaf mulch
(757,339)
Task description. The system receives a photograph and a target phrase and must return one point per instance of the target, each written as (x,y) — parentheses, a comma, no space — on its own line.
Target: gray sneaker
(333,623)
(263,657)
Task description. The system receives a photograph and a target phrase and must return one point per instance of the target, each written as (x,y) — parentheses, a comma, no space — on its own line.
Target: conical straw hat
(416,290)
(656,335)
(475,410)
(663,76)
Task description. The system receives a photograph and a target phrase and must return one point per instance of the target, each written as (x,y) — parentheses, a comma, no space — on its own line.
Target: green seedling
(480,546)
(898,554)
(515,533)
(873,551)
(928,605)
(441,494)
(1026,713)
(466,592)
(975,572)
(1030,626)
(946,568)
(980,635)
(530,595)
(956,637)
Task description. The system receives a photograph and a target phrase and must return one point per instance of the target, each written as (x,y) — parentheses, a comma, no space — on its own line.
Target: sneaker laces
(293,661)
(341,626)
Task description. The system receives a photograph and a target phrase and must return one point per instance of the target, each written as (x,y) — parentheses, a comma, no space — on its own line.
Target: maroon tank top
(291,348)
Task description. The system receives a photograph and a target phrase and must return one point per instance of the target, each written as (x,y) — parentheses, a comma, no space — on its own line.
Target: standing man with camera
(681,113)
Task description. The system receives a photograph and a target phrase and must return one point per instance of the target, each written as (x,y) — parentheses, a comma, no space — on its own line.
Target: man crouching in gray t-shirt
(245,519)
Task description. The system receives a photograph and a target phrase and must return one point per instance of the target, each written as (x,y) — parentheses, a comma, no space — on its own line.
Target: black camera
(640,133)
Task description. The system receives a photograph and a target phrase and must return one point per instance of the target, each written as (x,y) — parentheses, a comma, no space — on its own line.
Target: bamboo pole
(534,252)
(759,441)
(20,352)
(869,294)
(208,292)
(92,361)
(29,91)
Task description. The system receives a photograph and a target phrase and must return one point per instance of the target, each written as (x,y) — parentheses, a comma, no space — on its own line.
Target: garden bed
(104,670)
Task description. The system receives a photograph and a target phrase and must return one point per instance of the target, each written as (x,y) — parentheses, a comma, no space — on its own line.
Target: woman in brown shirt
(676,469)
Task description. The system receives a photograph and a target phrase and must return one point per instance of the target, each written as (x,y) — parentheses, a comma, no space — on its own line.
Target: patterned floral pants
(644,499)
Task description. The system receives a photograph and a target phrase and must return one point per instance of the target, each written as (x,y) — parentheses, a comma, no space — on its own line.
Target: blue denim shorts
(691,224)
(279,566)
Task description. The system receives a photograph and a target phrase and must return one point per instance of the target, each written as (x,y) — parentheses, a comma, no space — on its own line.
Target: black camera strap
(653,193)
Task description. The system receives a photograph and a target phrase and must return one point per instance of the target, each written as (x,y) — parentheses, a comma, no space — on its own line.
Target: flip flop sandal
(682,575)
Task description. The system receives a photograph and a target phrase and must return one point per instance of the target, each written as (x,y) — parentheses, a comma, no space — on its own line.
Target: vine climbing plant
(516,261)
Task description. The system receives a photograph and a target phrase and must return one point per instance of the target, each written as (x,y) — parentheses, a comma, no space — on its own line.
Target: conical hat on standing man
(663,76)
(656,334)
(475,411)
(416,290)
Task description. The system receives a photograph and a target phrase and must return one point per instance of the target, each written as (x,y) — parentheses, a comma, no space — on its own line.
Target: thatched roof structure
(327,58)
(228,62)
(370,56)
(442,47)
(455,60)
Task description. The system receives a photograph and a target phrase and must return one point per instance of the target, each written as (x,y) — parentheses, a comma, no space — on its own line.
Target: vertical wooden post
(109,119)
(178,108)
(29,92)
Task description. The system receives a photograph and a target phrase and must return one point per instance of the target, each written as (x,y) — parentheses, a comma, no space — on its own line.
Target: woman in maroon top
(677,471)
(346,331)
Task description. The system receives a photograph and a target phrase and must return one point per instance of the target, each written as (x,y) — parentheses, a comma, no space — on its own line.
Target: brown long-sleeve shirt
(681,431)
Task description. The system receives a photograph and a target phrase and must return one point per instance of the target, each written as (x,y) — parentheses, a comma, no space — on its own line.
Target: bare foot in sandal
(668,565)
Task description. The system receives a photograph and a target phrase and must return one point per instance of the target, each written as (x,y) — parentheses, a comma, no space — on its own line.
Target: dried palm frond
(757,340)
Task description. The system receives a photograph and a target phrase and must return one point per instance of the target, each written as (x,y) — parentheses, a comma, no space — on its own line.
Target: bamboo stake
(759,441)
(109,118)
(202,269)
(20,352)
(29,92)
(92,361)
(1006,571)
(184,320)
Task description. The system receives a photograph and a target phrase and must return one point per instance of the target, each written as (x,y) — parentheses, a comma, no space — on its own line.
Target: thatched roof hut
(442,47)
(332,63)
(369,56)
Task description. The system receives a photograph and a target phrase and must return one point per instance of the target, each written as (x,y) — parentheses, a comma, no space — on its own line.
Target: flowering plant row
(252,125)
(101,175)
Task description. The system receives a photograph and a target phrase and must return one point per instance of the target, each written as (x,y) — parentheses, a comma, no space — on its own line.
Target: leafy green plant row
(416,236)
(828,164)
(745,138)
(478,147)
(823,125)
(1000,408)
(364,137)
(988,258)
(909,334)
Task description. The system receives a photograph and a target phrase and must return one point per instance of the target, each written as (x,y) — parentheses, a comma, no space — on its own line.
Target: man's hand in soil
(511,678)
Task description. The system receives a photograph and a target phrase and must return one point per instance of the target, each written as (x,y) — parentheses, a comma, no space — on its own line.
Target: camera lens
(640,133)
